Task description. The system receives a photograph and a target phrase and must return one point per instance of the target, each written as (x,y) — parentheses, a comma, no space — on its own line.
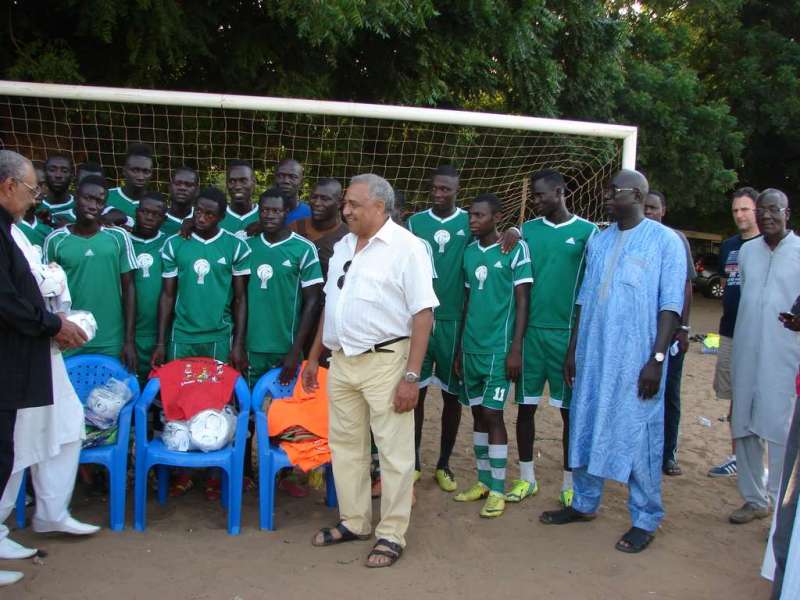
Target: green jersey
(93,267)
(448,239)
(36,232)
(205,271)
(491,277)
(236,223)
(57,209)
(274,293)
(67,216)
(119,200)
(172,225)
(148,283)
(557,263)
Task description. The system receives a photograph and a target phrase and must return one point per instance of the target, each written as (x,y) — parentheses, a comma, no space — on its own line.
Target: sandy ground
(186,554)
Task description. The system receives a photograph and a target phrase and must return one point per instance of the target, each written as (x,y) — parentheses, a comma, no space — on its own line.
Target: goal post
(493,152)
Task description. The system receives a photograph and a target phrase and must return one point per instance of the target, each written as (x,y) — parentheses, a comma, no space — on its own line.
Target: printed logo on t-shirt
(221,261)
(145,262)
(732,269)
(461,233)
(241,234)
(498,265)
(570,241)
(481,273)
(286,263)
(89,252)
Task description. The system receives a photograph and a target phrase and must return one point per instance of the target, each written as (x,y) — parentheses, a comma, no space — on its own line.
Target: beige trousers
(360,392)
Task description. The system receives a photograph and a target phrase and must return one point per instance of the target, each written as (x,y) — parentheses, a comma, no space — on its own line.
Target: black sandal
(394,552)
(672,468)
(634,541)
(329,540)
(564,516)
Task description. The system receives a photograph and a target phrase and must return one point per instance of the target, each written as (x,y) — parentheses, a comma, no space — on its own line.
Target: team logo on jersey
(286,263)
(241,234)
(201,268)
(221,261)
(498,265)
(145,262)
(481,273)
(264,273)
(441,237)
(461,233)
(89,252)
(570,241)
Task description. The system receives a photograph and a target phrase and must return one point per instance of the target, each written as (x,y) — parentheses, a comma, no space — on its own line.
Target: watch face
(659,356)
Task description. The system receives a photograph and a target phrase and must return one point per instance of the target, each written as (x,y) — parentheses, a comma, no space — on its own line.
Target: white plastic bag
(212,429)
(105,403)
(86,321)
(176,436)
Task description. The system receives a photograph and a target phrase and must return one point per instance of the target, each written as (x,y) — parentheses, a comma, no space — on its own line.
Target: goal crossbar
(626,133)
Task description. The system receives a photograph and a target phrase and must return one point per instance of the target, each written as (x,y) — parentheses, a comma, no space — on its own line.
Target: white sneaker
(9,577)
(11,550)
(68,525)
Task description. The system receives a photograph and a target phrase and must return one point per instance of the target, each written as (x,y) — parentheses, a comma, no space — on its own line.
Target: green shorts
(437,367)
(260,363)
(543,353)
(485,381)
(219,350)
(144,352)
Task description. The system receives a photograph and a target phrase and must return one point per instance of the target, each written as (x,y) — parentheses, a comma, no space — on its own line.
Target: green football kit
(148,292)
(557,263)
(122,202)
(447,239)
(279,272)
(172,225)
(237,224)
(491,277)
(63,207)
(203,319)
(93,266)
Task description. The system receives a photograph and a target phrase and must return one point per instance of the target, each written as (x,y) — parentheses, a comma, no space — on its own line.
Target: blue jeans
(672,405)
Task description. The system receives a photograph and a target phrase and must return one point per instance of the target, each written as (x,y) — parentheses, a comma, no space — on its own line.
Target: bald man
(765,355)
(632,290)
(289,178)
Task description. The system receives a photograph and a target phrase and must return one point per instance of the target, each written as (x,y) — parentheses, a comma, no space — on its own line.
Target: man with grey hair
(26,326)
(377,320)
(765,355)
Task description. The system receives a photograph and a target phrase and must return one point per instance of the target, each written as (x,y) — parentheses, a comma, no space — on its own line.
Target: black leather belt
(382,346)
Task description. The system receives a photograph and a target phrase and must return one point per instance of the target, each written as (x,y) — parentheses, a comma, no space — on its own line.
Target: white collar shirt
(387,283)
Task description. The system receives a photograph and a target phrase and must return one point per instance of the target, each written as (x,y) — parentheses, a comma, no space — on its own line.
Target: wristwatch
(411,377)
(659,357)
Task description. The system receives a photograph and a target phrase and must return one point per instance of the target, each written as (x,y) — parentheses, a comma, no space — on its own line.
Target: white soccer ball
(212,429)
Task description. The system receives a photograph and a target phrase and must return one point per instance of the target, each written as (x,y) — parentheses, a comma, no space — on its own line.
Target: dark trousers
(7,420)
(787,503)
(672,404)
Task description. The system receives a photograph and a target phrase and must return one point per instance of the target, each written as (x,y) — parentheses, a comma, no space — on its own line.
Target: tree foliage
(714,85)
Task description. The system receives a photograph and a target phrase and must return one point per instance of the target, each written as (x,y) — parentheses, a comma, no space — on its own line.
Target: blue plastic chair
(153,453)
(271,457)
(86,372)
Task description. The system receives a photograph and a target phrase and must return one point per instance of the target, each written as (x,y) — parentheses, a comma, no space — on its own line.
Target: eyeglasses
(35,191)
(340,282)
(772,211)
(611,192)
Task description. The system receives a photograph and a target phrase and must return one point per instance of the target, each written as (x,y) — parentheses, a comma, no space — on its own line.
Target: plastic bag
(176,436)
(105,403)
(86,321)
(212,429)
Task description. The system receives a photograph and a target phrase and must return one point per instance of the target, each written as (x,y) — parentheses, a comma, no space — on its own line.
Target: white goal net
(494,153)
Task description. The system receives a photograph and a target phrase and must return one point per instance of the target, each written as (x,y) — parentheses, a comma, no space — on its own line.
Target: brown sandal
(393,552)
(329,540)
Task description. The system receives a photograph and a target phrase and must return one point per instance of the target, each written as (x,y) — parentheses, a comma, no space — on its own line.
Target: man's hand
(457,368)
(509,239)
(253,229)
(159,355)
(405,397)
(569,368)
(790,321)
(129,357)
(44,216)
(309,377)
(682,337)
(187,228)
(513,364)
(650,379)
(70,335)
(290,362)
(239,360)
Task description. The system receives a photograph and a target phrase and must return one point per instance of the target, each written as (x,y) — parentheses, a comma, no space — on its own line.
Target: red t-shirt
(189,385)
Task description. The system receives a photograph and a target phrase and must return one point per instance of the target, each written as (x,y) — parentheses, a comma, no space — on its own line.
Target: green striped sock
(480,442)
(498,456)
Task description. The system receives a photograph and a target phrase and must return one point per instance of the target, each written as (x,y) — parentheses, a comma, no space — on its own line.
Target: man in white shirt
(379,303)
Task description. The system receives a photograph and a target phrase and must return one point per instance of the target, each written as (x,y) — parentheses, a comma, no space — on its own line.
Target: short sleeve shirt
(491,277)
(36,232)
(237,224)
(729,267)
(148,283)
(279,272)
(205,270)
(93,267)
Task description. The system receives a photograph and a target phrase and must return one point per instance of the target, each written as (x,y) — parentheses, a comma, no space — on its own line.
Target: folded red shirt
(189,385)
